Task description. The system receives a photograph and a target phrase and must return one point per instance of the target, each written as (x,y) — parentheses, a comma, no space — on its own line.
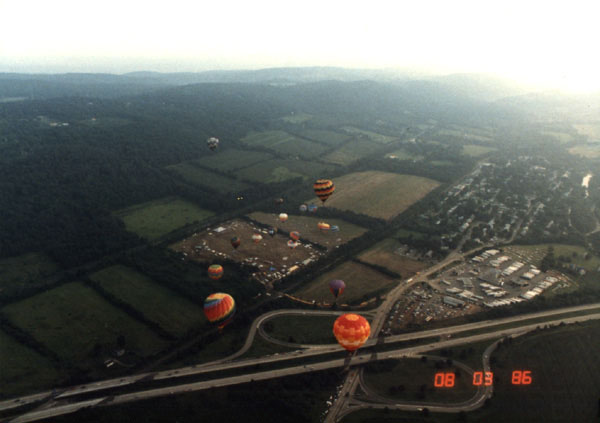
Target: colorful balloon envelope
(212,143)
(292,244)
(337,287)
(335,228)
(295,235)
(235,242)
(272,231)
(324,188)
(283,217)
(312,208)
(303,207)
(256,238)
(219,309)
(351,331)
(323,226)
(215,271)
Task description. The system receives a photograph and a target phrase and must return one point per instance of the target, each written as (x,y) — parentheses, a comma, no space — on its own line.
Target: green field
(170,311)
(297,118)
(476,150)
(535,253)
(22,369)
(157,218)
(466,134)
(327,137)
(302,329)
(561,137)
(591,151)
(402,154)
(71,319)
(351,151)
(383,254)
(233,159)
(280,170)
(26,269)
(405,233)
(284,143)
(307,226)
(383,139)
(403,379)
(203,177)
(378,194)
(362,283)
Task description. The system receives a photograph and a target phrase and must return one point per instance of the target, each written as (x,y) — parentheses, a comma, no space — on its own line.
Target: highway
(65,406)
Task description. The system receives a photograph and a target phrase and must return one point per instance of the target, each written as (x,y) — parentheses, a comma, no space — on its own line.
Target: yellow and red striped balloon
(324,188)
(323,226)
(351,331)
(295,235)
(215,271)
(219,308)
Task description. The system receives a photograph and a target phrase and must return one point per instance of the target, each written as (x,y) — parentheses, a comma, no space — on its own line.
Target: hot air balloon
(324,188)
(292,244)
(335,228)
(312,208)
(219,309)
(256,238)
(324,227)
(235,242)
(351,331)
(303,207)
(283,217)
(272,231)
(337,287)
(295,235)
(212,143)
(215,271)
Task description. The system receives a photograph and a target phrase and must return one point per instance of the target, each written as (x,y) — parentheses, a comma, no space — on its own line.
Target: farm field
(233,159)
(284,143)
(327,137)
(297,118)
(351,151)
(591,151)
(25,269)
(535,253)
(22,369)
(374,136)
(280,170)
(592,130)
(402,154)
(378,194)
(203,177)
(405,233)
(382,254)
(561,137)
(476,150)
(307,226)
(362,283)
(157,218)
(466,134)
(71,319)
(170,311)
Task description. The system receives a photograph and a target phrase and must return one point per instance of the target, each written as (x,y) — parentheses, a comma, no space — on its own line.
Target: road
(61,407)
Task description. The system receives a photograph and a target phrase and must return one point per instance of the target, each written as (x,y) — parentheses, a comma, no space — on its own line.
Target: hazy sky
(546,42)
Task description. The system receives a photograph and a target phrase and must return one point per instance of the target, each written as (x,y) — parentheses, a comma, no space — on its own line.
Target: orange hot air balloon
(351,331)
(324,188)
(295,235)
(215,271)
(219,309)
(256,238)
(283,217)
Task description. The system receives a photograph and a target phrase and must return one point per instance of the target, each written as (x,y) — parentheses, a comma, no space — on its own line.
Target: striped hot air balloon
(215,271)
(337,287)
(283,217)
(219,309)
(324,188)
(351,331)
(295,235)
(256,238)
(292,244)
(235,242)
(324,227)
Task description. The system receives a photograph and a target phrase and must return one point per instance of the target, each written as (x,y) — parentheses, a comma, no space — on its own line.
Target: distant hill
(481,86)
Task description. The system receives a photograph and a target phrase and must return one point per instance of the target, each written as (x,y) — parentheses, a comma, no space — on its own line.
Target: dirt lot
(271,256)
(386,254)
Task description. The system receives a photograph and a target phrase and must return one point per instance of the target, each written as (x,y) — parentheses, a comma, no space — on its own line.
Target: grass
(362,282)
(327,137)
(561,137)
(591,151)
(441,163)
(26,269)
(378,194)
(233,159)
(351,151)
(284,143)
(203,177)
(170,311)
(72,318)
(476,150)
(297,118)
(402,154)
(22,369)
(382,139)
(280,170)
(405,233)
(382,254)
(302,329)
(535,253)
(157,218)
(307,226)
(591,130)
(465,133)
(261,347)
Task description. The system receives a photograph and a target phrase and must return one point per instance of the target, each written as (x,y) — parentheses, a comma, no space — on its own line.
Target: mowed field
(157,218)
(173,313)
(22,369)
(72,318)
(591,151)
(362,282)
(25,269)
(307,226)
(284,143)
(352,151)
(206,178)
(476,150)
(374,136)
(232,159)
(327,137)
(383,254)
(279,170)
(535,254)
(378,194)
(402,154)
